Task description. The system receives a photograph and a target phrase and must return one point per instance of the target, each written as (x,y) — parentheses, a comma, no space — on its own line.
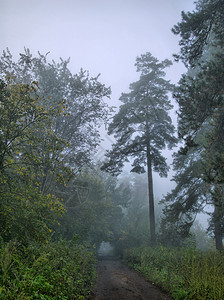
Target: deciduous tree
(25,212)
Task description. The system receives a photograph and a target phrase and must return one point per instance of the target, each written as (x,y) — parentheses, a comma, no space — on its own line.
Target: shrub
(56,270)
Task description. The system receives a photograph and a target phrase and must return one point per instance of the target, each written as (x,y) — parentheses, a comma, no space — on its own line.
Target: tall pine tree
(200,117)
(143,127)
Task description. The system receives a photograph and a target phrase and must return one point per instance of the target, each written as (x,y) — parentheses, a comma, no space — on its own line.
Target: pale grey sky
(102,36)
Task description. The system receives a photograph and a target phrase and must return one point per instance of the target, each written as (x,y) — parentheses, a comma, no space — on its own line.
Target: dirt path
(117,282)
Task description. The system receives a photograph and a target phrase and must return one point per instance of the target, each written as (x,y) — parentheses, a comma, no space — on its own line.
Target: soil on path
(118,282)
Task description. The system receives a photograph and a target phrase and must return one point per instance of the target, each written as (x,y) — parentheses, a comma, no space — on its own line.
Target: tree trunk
(218,229)
(150,190)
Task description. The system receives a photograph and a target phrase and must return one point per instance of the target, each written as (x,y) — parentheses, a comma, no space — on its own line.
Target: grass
(184,273)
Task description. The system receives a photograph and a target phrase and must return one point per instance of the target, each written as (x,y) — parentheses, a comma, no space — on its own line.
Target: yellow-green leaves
(30,159)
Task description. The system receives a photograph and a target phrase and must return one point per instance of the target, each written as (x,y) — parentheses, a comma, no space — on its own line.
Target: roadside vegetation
(56,270)
(185,273)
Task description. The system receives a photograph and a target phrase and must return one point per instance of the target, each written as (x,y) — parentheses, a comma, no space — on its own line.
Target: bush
(186,273)
(56,270)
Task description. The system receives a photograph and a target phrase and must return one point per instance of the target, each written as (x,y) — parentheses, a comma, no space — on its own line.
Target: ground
(118,282)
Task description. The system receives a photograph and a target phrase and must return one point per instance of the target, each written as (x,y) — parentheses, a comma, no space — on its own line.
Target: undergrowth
(56,270)
(184,273)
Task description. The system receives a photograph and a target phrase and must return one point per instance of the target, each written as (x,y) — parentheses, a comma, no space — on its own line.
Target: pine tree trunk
(218,229)
(151,203)
(150,190)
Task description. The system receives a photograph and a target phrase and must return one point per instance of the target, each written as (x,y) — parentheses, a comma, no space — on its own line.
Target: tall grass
(184,273)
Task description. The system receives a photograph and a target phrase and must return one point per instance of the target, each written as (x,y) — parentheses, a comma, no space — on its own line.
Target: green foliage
(199,94)
(143,127)
(26,141)
(203,241)
(48,131)
(27,215)
(185,201)
(95,203)
(89,208)
(80,97)
(186,273)
(135,222)
(57,270)
(20,110)
(142,124)
(200,28)
(132,227)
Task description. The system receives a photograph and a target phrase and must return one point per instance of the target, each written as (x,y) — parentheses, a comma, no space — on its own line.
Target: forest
(59,204)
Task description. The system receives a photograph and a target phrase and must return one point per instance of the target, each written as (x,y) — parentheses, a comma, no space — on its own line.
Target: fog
(100,36)
(95,181)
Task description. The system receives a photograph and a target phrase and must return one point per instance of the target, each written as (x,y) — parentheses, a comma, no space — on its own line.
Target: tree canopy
(200,118)
(49,130)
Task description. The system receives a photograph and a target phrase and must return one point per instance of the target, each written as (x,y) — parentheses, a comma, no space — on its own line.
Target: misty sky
(102,36)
